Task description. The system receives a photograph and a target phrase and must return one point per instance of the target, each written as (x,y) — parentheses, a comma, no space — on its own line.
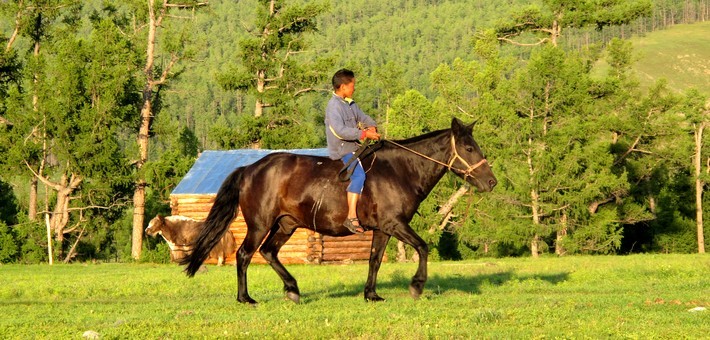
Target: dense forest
(105,105)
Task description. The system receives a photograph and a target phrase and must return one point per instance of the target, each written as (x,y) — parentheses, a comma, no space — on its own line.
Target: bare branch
(540,42)
(181,17)
(71,252)
(164,76)
(447,208)
(183,5)
(16,31)
(464,111)
(44,180)
(301,91)
(595,205)
(4,121)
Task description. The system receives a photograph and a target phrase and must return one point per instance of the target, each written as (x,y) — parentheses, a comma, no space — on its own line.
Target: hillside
(680,54)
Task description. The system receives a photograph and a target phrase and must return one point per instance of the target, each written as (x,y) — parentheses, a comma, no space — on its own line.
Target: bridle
(469,168)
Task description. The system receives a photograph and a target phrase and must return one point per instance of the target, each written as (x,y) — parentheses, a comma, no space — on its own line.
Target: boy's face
(347,90)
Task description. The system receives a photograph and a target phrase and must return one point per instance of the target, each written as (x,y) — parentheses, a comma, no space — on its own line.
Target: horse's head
(155,225)
(467,159)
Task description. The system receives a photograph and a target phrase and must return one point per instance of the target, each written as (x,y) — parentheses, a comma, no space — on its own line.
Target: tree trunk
(143,134)
(561,233)
(699,185)
(534,195)
(139,193)
(401,252)
(50,251)
(138,220)
(534,200)
(60,215)
(152,84)
(535,246)
(32,209)
(260,84)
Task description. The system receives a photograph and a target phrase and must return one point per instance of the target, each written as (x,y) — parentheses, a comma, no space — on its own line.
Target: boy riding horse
(346,125)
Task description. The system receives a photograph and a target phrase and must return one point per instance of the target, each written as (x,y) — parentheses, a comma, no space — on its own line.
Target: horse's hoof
(248,300)
(374,298)
(293,297)
(416,293)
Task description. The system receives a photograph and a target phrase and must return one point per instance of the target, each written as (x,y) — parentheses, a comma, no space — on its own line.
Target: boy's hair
(343,76)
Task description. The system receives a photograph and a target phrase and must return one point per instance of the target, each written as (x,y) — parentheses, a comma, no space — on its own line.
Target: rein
(347,171)
(450,165)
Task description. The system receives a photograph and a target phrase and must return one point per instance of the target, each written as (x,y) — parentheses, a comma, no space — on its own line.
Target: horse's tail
(221,215)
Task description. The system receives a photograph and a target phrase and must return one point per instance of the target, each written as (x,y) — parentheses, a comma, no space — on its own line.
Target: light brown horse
(180,231)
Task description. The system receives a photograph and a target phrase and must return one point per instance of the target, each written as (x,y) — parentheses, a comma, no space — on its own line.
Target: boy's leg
(357,182)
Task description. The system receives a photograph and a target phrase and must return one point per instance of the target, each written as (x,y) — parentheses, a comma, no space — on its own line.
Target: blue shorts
(357,180)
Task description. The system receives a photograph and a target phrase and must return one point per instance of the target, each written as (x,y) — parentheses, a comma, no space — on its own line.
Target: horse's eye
(469,149)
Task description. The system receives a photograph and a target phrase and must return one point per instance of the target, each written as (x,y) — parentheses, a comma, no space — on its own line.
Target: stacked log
(315,248)
(348,248)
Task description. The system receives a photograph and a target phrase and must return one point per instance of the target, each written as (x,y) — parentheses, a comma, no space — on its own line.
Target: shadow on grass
(470,283)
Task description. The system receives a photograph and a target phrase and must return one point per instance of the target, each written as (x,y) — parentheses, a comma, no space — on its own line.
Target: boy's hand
(371,133)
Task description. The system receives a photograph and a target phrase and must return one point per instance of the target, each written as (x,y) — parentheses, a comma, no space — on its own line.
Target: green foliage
(553,16)
(602,142)
(8,204)
(411,115)
(9,74)
(31,237)
(600,234)
(8,245)
(160,253)
(8,216)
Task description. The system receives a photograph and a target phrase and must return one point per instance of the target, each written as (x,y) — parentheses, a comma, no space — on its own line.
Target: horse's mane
(421,137)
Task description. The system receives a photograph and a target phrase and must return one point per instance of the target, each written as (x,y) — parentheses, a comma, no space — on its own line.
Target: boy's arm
(336,125)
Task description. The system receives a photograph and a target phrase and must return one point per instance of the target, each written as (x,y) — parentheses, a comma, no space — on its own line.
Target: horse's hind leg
(244,254)
(270,250)
(379,243)
(405,234)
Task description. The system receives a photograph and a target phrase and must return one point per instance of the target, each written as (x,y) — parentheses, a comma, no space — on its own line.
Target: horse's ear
(456,125)
(460,128)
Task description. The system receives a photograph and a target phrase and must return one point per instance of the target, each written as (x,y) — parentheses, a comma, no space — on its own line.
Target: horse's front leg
(379,243)
(408,236)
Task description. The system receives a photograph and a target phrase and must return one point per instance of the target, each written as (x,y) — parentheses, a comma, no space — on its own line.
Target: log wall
(305,246)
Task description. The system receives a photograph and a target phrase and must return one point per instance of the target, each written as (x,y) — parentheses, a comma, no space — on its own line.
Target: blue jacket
(344,122)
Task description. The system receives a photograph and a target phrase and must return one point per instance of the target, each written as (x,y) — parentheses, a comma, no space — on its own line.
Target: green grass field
(640,296)
(679,54)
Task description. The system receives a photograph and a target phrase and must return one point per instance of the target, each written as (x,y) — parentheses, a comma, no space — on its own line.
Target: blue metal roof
(213,166)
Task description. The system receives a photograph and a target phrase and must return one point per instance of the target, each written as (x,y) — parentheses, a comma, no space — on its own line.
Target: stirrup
(353,228)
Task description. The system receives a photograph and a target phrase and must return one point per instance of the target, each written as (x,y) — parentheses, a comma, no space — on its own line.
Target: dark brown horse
(282,192)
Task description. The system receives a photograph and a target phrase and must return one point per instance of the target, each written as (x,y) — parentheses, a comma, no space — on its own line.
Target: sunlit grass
(638,296)
(679,54)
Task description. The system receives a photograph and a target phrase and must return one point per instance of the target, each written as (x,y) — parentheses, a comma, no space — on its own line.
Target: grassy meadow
(679,54)
(639,296)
